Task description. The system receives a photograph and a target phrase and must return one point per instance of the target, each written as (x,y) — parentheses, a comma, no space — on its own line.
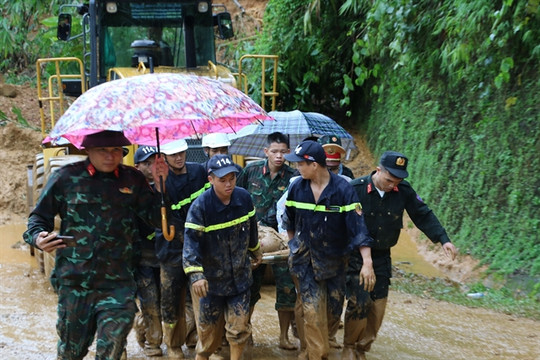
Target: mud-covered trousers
(365,310)
(318,305)
(212,312)
(83,314)
(173,305)
(148,294)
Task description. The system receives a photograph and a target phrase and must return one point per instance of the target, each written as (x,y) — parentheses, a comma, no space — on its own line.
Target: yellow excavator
(124,38)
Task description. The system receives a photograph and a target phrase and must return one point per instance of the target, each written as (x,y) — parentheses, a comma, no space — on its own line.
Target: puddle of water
(405,255)
(13,249)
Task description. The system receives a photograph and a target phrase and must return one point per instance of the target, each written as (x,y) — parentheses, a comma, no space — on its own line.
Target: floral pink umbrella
(178,105)
(157,107)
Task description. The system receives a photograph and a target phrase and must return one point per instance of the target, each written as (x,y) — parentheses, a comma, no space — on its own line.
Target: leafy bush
(452,84)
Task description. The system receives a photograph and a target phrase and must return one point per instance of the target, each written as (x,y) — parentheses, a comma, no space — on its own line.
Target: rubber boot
(191,326)
(170,336)
(352,331)
(299,318)
(236,351)
(374,322)
(333,327)
(140,329)
(349,353)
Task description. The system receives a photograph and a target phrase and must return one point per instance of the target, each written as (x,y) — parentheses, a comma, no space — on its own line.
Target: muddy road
(414,328)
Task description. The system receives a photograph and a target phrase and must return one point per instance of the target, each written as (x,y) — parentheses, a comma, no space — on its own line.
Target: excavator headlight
(202,7)
(111,7)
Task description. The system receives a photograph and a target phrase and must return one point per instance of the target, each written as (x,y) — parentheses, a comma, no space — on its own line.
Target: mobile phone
(67,239)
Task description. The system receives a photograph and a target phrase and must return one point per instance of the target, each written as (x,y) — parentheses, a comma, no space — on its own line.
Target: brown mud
(414,328)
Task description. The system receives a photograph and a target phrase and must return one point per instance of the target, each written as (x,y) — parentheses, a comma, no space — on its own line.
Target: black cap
(105,138)
(308,151)
(329,139)
(143,153)
(396,164)
(221,165)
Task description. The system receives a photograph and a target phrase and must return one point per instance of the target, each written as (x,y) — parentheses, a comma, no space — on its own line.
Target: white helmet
(215,140)
(174,147)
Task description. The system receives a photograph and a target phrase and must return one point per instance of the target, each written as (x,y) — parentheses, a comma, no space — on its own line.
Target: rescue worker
(186,181)
(335,153)
(266,180)
(216,143)
(324,223)
(96,200)
(384,196)
(148,320)
(212,144)
(220,236)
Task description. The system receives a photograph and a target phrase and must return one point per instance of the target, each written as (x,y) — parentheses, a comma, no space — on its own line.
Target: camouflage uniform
(94,279)
(217,242)
(265,192)
(324,234)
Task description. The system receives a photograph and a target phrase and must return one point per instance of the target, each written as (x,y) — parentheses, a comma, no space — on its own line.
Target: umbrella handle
(169,235)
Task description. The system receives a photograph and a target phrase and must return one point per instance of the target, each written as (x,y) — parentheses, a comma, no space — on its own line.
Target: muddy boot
(175,353)
(236,351)
(349,353)
(374,322)
(174,348)
(333,327)
(140,329)
(303,355)
(352,332)
(191,327)
(152,351)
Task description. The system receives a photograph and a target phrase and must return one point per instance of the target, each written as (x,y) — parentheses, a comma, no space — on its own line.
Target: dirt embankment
(18,147)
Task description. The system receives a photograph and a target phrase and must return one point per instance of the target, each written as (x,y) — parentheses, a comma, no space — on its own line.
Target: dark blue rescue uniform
(325,233)
(182,190)
(217,245)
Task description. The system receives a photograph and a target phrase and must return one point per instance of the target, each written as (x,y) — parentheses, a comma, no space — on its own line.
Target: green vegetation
(454,85)
(501,300)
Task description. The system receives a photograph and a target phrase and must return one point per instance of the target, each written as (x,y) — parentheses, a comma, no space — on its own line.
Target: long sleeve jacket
(384,216)
(182,190)
(219,240)
(100,210)
(326,231)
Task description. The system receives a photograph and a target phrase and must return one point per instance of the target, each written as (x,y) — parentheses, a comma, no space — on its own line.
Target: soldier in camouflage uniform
(96,200)
(220,236)
(266,180)
(384,196)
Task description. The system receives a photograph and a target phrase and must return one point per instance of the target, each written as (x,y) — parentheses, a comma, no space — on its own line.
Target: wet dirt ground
(414,328)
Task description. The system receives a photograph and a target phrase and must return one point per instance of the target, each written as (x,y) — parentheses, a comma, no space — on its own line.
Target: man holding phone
(96,200)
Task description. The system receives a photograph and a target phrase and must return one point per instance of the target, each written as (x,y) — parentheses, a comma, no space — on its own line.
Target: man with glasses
(266,180)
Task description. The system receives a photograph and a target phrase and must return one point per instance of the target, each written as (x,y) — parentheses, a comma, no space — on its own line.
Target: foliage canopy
(453,84)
